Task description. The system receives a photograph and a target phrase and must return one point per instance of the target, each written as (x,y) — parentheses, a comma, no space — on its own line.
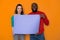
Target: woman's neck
(19,12)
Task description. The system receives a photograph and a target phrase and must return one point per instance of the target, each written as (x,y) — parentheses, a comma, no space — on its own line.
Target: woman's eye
(18,8)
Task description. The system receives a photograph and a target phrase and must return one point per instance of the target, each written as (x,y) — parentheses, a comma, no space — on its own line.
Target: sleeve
(12,21)
(46,21)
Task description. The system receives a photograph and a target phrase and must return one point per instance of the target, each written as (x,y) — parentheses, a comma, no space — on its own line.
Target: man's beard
(34,10)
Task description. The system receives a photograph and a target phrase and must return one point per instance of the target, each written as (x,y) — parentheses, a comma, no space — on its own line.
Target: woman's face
(19,9)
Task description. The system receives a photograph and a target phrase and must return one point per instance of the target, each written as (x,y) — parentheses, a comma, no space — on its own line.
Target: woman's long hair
(16,12)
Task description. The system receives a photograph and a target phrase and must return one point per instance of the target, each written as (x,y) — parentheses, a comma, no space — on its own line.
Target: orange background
(50,7)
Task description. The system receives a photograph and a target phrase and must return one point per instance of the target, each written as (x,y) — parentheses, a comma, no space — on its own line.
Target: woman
(18,10)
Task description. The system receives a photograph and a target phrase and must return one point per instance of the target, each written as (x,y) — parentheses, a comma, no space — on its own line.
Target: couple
(43,19)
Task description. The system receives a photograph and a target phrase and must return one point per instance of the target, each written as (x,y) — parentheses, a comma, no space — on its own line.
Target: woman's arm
(12,21)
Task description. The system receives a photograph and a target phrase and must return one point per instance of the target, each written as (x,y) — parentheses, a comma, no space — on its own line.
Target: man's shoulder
(31,13)
(40,12)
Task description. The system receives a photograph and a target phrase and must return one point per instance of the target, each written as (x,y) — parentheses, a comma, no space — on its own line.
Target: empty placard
(26,24)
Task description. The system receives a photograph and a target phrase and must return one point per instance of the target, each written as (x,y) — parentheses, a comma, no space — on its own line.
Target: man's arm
(45,19)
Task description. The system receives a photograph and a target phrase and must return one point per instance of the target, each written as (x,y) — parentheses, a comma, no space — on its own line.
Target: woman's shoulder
(12,17)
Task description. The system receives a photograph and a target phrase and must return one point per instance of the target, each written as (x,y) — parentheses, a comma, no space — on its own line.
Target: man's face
(34,8)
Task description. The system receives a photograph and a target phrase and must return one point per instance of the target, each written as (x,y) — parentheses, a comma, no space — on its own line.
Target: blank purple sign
(26,24)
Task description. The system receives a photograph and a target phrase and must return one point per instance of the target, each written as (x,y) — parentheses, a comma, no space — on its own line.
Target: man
(43,19)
